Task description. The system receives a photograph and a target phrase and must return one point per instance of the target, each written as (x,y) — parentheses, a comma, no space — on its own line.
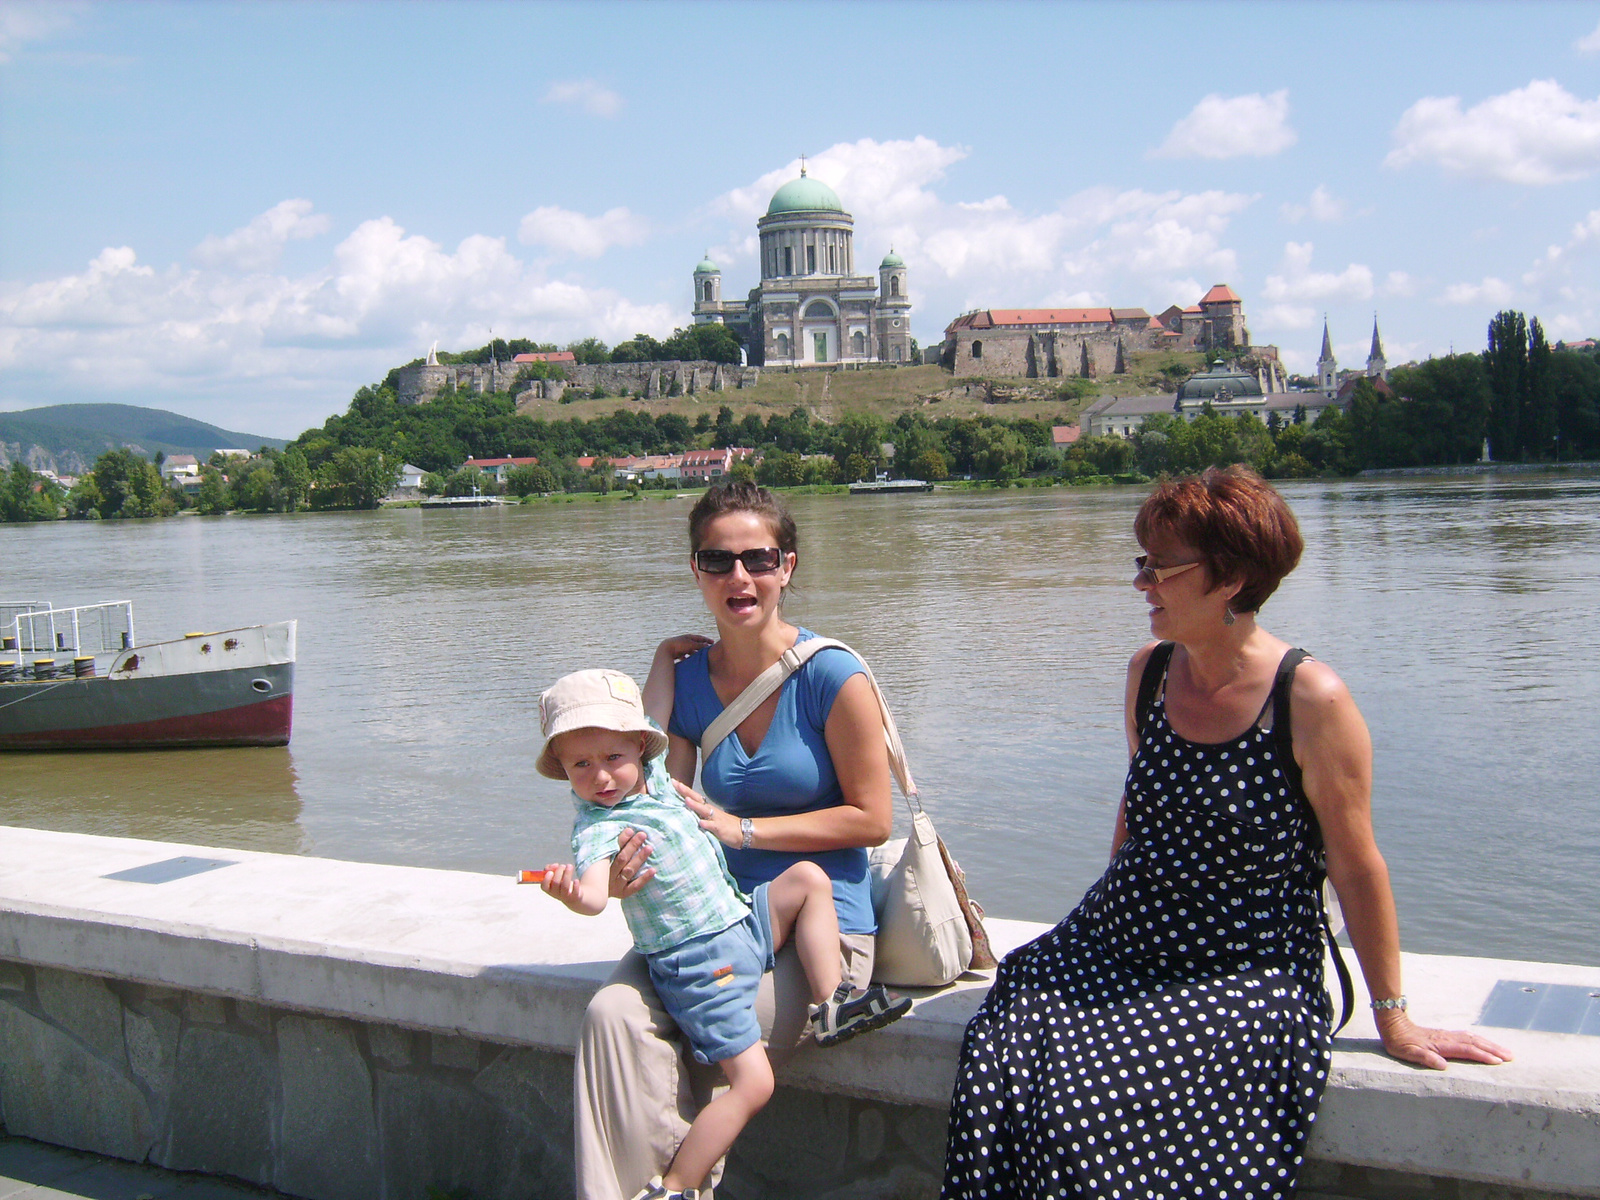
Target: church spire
(1327,365)
(1327,344)
(1377,365)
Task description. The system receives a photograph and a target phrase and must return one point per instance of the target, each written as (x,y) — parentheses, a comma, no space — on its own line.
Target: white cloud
(1232,127)
(1322,206)
(22,22)
(1540,134)
(581,236)
(259,244)
(120,326)
(1298,285)
(1589,43)
(588,94)
(1491,291)
(1399,283)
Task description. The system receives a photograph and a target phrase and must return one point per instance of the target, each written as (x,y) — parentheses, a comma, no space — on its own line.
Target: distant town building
(705,465)
(1046,343)
(1377,365)
(180,466)
(1224,389)
(499,468)
(811,308)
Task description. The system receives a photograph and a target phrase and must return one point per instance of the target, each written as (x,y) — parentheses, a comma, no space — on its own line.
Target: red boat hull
(264,724)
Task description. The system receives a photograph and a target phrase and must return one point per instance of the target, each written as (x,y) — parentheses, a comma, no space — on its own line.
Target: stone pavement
(34,1171)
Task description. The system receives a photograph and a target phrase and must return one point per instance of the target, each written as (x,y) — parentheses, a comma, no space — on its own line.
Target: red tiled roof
(549,356)
(1129,314)
(1065,435)
(1193,308)
(1221,294)
(480,463)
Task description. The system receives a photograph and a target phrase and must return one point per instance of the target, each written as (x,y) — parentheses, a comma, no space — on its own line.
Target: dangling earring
(1227,616)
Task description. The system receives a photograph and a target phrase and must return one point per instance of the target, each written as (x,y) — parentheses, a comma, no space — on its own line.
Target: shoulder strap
(764,684)
(1155,668)
(1283,738)
(1282,725)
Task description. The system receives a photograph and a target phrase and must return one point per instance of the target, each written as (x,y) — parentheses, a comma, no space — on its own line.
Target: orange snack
(530,877)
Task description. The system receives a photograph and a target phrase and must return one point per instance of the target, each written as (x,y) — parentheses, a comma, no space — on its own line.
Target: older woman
(1171,1037)
(804,776)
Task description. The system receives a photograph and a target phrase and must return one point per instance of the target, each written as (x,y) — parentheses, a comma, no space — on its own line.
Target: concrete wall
(354,1030)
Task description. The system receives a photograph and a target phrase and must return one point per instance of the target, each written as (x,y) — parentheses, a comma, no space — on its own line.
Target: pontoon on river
(75,679)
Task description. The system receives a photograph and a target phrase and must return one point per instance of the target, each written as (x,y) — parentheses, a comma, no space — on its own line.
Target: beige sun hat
(593,700)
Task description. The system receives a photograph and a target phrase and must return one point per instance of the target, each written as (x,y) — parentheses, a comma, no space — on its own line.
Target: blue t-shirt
(790,772)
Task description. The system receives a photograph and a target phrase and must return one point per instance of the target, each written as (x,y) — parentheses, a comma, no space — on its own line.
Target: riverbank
(1488,468)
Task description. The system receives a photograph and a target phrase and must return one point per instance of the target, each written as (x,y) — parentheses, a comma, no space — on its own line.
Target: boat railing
(88,629)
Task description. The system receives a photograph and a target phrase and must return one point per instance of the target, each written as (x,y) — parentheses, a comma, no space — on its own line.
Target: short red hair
(1238,522)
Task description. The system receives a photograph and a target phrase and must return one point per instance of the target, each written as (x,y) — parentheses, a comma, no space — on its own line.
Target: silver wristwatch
(747,828)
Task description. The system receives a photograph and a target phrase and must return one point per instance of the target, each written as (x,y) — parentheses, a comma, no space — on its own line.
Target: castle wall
(1052,354)
(418,385)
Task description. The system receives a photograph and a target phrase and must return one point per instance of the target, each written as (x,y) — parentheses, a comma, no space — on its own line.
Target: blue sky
(242,212)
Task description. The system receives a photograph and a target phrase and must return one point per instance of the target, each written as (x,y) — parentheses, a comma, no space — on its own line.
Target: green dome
(707,267)
(891,259)
(804,195)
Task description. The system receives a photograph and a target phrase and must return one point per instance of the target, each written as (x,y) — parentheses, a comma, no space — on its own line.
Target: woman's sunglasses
(756,562)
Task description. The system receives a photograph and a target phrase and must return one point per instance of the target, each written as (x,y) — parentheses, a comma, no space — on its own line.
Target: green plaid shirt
(692,892)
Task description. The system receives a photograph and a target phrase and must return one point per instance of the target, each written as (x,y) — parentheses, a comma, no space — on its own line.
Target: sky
(244,212)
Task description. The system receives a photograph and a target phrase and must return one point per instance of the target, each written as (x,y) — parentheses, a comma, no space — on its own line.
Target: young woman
(804,777)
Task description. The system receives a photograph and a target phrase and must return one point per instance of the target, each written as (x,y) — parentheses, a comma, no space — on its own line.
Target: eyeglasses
(757,562)
(1153,575)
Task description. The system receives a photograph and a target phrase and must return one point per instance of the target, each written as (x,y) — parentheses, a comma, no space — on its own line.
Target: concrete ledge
(477,957)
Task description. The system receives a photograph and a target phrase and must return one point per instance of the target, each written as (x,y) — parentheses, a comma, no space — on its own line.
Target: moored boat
(75,679)
(872,486)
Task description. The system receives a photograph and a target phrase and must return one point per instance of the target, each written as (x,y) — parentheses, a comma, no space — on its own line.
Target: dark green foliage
(122,485)
(25,496)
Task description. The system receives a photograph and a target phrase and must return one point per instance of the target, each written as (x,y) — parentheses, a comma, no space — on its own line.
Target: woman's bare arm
(1334,751)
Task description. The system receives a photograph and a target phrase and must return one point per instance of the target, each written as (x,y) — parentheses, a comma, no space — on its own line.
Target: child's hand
(682,646)
(561,881)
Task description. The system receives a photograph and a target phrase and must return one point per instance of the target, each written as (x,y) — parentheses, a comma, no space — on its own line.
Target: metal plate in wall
(1546,1007)
(169,869)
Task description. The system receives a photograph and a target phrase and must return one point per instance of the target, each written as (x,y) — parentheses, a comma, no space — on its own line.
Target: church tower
(893,310)
(1327,366)
(707,292)
(1377,367)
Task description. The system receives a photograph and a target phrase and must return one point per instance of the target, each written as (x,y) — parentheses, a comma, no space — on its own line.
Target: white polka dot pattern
(1170,1038)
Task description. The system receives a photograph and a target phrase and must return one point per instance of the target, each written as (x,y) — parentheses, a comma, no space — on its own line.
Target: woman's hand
(1413,1043)
(718,822)
(628,873)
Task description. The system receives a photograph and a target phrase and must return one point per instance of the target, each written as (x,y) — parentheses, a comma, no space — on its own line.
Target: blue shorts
(708,983)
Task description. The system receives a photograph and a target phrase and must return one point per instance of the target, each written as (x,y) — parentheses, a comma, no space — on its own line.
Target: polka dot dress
(1170,1038)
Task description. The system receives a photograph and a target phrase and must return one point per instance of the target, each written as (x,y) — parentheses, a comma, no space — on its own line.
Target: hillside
(67,438)
(932,391)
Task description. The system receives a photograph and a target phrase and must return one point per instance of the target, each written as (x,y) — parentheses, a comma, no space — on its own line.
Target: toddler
(707,945)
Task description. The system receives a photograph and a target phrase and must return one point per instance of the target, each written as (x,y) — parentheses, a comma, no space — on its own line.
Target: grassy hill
(69,437)
(932,391)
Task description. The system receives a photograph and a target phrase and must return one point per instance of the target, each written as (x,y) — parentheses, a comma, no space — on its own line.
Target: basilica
(811,307)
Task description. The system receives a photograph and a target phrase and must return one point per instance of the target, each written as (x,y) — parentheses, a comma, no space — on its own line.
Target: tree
(25,496)
(294,477)
(930,465)
(589,350)
(528,479)
(711,342)
(470,481)
(1506,362)
(860,434)
(213,497)
(355,477)
(125,485)
(781,468)
(1000,453)
(640,348)
(743,471)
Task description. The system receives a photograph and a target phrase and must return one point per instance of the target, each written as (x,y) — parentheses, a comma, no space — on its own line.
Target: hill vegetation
(72,436)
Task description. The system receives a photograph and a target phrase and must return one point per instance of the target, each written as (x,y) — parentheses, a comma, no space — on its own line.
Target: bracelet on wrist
(747,831)
(1396,1002)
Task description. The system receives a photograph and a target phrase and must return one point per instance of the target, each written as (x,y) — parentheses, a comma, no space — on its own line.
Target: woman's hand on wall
(1413,1043)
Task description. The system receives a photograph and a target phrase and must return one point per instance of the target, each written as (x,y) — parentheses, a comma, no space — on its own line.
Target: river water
(1461,612)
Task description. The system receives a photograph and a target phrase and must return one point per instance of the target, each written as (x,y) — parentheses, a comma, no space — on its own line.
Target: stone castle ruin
(1047,343)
